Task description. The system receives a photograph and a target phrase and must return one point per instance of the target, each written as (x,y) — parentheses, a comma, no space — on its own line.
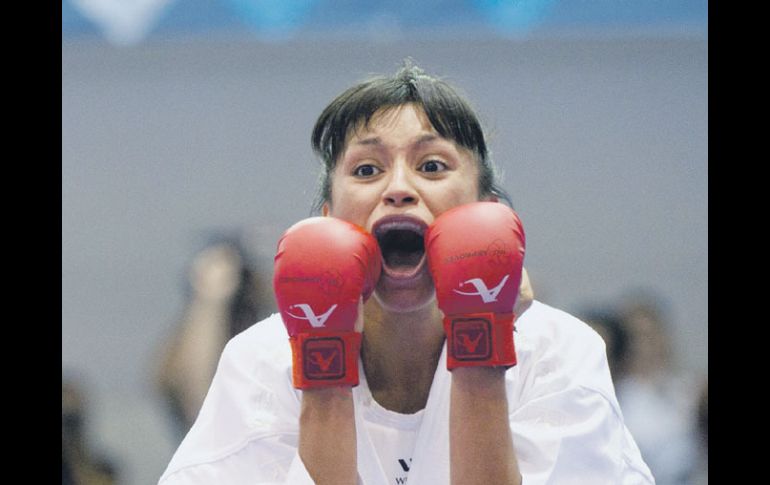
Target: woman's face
(393,179)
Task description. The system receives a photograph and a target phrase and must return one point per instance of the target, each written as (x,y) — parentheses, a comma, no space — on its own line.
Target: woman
(406,162)
(222,299)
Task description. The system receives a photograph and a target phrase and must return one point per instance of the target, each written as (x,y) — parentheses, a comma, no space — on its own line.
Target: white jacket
(566,423)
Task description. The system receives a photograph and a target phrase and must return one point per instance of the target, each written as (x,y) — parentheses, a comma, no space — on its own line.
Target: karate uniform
(565,420)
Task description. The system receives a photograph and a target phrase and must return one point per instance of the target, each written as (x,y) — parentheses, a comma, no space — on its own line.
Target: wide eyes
(366,171)
(432,166)
(369,170)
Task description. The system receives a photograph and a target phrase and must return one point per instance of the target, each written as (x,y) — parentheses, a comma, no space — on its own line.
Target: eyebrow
(375,140)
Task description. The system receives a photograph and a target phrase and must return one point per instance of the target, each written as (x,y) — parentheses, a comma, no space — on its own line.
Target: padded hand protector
(476,254)
(323,267)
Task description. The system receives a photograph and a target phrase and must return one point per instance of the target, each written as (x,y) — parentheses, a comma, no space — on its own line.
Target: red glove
(322,268)
(475,255)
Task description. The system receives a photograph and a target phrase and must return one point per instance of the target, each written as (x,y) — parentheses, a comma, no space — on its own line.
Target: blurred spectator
(609,325)
(223,297)
(81,465)
(702,425)
(657,398)
(703,418)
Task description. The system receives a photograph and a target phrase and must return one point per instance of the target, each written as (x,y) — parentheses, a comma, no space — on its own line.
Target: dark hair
(612,323)
(449,113)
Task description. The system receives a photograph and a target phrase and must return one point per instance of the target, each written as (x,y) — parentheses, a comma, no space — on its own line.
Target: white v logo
(481,289)
(315,321)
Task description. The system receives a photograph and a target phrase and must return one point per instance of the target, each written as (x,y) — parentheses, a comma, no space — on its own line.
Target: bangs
(448,113)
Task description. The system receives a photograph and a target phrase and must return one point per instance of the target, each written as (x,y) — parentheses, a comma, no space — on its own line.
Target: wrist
(480,385)
(479,378)
(326,396)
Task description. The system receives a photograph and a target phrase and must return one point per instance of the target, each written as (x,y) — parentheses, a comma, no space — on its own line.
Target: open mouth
(402,245)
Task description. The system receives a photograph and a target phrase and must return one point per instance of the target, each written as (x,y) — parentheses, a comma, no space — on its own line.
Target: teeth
(401,225)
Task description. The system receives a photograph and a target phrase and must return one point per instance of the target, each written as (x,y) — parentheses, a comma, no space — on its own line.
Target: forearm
(481,445)
(327,436)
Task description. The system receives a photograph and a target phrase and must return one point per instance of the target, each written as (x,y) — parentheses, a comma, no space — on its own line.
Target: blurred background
(186,153)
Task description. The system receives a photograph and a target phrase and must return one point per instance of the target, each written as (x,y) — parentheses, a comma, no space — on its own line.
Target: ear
(325,209)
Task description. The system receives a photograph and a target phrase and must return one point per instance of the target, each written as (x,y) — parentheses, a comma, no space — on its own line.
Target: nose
(400,191)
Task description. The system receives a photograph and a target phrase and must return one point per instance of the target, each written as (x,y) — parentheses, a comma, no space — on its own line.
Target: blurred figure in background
(702,425)
(609,325)
(658,399)
(223,297)
(81,465)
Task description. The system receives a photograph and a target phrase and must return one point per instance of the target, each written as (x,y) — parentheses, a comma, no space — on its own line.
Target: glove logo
(498,253)
(471,339)
(324,359)
(467,343)
(317,359)
(481,289)
(331,282)
(316,321)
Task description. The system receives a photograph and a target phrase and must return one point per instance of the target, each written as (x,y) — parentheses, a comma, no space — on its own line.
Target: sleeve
(247,429)
(567,426)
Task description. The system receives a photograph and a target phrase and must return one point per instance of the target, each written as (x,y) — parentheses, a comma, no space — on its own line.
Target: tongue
(403,260)
(403,264)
